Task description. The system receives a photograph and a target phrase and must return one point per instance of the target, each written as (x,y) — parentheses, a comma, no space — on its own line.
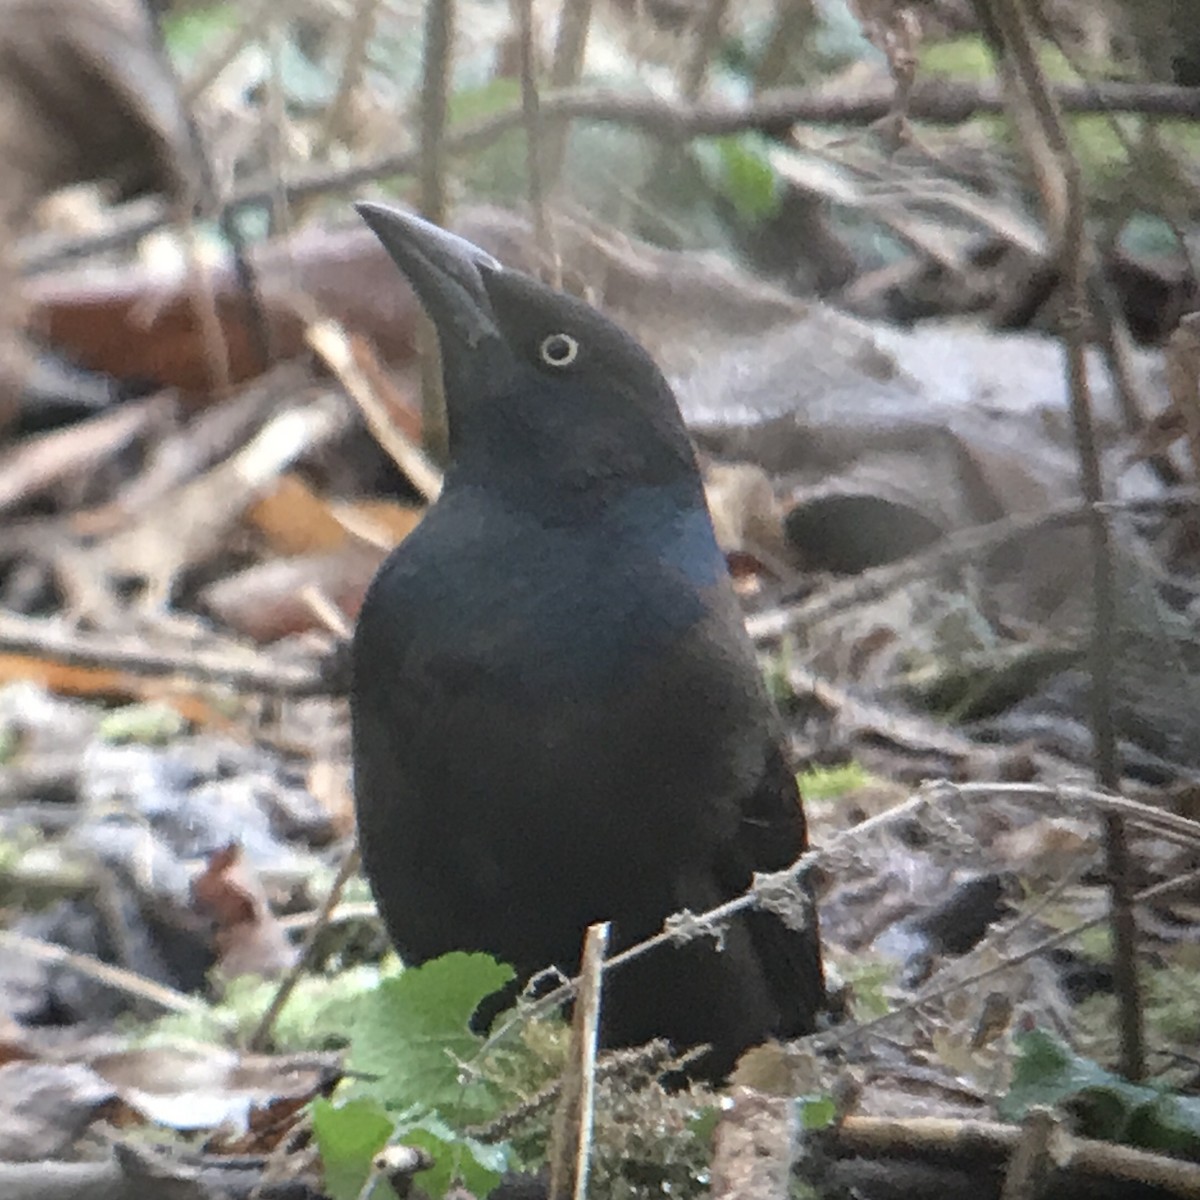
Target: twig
(249,30)
(326,612)
(39,461)
(1071,237)
(570,47)
(574,1120)
(686,926)
(117,978)
(287,985)
(848,1033)
(975,1144)
(794,19)
(1030,1162)
(338,121)
(199,192)
(1114,331)
(1158,821)
(531,115)
(353,910)
(243,668)
(334,346)
(1165,203)
(936,101)
(706,41)
(199,285)
(964,545)
(437,67)
(435,96)
(894,30)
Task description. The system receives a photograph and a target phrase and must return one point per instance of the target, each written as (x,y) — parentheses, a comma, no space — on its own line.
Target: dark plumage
(558,718)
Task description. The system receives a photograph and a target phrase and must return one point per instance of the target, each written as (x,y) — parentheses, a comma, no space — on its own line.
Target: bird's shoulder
(478,577)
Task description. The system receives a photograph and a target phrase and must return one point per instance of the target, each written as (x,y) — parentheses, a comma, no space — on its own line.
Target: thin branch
(210,69)
(338,124)
(961,546)
(848,1033)
(574,1119)
(570,48)
(437,68)
(935,101)
(117,978)
(706,41)
(287,985)
(336,349)
(1066,208)
(794,20)
(435,100)
(689,926)
(243,668)
(531,115)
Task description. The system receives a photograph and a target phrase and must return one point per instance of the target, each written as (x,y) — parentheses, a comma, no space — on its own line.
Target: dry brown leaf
(249,939)
(295,520)
(272,600)
(106,683)
(135,323)
(384,523)
(191,1087)
(37,463)
(85,94)
(194,520)
(328,782)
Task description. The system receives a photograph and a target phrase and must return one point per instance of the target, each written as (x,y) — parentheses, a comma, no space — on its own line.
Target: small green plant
(315,1016)
(739,168)
(828,783)
(1048,1072)
(417,1074)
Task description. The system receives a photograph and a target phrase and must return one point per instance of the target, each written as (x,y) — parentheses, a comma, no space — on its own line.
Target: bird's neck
(669,523)
(676,529)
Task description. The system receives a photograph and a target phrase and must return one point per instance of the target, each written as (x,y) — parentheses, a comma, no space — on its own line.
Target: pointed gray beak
(444,270)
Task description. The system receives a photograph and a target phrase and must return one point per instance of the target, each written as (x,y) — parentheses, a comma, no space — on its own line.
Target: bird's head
(544,395)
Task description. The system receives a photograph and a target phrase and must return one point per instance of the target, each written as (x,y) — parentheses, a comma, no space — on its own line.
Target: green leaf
(740,169)
(828,783)
(1048,1072)
(816,1112)
(703,1126)
(150,724)
(456,1159)
(348,1137)
(411,1035)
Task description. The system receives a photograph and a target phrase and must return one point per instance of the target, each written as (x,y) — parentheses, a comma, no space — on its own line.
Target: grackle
(557,715)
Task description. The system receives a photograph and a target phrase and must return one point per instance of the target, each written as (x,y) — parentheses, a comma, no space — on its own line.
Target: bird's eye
(559,350)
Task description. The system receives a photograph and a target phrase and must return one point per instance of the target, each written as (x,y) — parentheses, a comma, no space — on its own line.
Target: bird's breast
(555,608)
(545,679)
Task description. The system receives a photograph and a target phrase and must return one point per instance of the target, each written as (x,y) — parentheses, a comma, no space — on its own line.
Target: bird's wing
(773,835)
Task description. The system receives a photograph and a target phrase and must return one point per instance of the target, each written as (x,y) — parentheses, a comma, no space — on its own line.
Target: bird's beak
(445,271)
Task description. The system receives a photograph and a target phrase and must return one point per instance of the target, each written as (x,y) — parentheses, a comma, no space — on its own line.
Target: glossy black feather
(557,716)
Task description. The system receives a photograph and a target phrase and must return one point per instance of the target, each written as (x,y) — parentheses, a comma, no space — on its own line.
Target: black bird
(557,715)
